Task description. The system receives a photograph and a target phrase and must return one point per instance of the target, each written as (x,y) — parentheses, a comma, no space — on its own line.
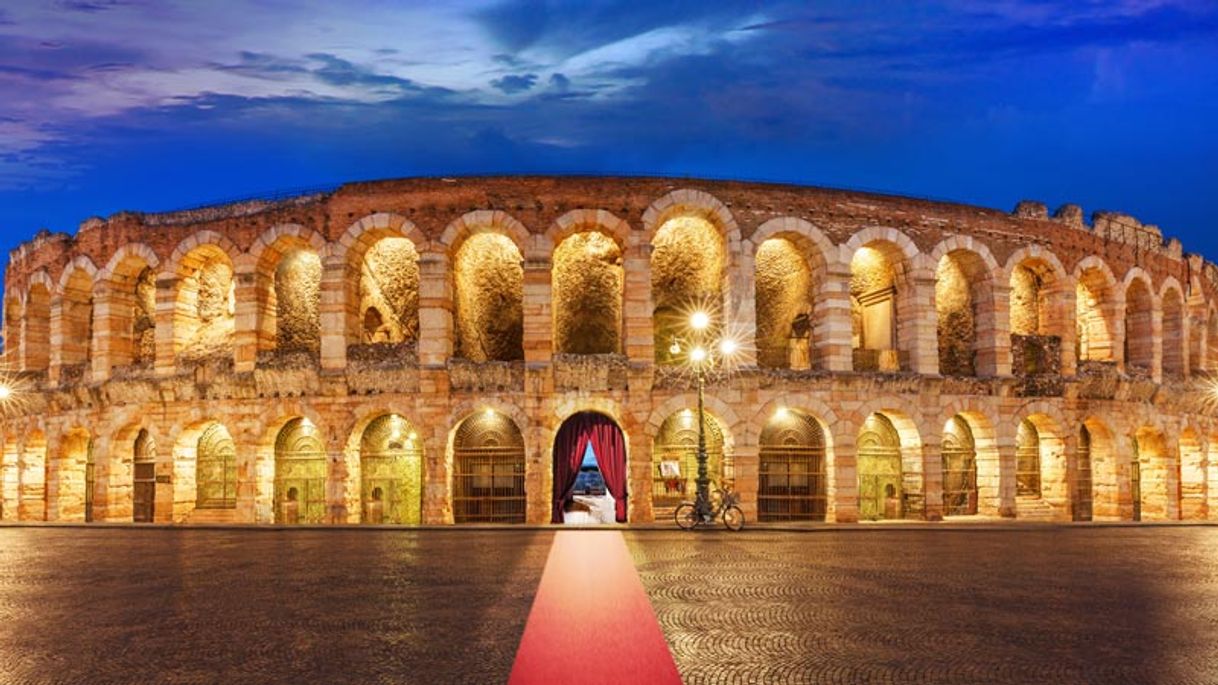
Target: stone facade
(438,300)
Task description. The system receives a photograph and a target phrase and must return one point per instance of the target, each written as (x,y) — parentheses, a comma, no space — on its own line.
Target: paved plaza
(871,605)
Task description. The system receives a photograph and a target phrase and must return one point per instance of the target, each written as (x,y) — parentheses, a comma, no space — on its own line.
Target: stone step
(212,516)
(1034,509)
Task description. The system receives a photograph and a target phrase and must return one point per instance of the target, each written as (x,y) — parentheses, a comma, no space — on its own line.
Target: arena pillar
(1004,437)
(333,313)
(245,328)
(742,304)
(104,332)
(1156,328)
(638,508)
(834,330)
(435,310)
(994,355)
(921,333)
(932,478)
(845,487)
(166,303)
(637,307)
(56,336)
(538,318)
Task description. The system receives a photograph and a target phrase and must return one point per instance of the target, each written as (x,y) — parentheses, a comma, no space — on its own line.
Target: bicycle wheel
(686,516)
(733,518)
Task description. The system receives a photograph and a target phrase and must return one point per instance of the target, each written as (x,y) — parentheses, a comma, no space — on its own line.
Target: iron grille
(488,471)
(1083,484)
(1027,460)
(143,495)
(959,454)
(791,480)
(674,468)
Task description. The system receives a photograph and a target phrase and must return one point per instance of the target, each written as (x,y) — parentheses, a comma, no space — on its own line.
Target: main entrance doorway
(589,471)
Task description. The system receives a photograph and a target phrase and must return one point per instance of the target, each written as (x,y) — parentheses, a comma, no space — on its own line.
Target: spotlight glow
(697,355)
(699,320)
(728,347)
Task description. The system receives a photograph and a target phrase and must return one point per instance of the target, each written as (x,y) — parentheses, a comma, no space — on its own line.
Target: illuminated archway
(792,469)
(674,460)
(588,281)
(205,305)
(300,473)
(688,264)
(784,305)
(391,472)
(489,299)
(488,470)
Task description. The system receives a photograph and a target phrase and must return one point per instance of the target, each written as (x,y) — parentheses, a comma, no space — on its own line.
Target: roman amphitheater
(409,351)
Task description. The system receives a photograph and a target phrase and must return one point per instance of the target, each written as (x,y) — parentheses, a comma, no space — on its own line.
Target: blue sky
(159,104)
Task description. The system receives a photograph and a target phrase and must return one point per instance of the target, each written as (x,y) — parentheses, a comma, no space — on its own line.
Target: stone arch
(588,284)
(287,288)
(1153,476)
(1109,471)
(204,470)
(692,253)
(1095,311)
(76,285)
(36,325)
(1174,330)
(488,297)
(486,450)
(795,460)
(733,426)
(983,436)
(128,480)
(32,475)
(884,304)
(965,306)
(889,457)
(301,472)
(129,280)
(612,508)
(70,477)
(204,312)
(583,220)
(381,254)
(1194,477)
(1041,468)
(688,201)
(1039,310)
(385,451)
(481,221)
(790,271)
(1139,312)
(674,459)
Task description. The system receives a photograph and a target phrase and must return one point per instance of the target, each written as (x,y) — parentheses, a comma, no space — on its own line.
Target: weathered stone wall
(211,293)
(588,280)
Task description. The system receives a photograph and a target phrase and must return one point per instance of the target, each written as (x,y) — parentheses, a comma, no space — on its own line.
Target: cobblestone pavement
(1078,605)
(1043,605)
(214,606)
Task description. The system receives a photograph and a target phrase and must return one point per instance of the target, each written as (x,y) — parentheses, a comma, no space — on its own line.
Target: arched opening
(1173,334)
(590,474)
(784,305)
(205,305)
(300,473)
(391,472)
(77,318)
(1083,489)
(875,296)
(132,292)
(1037,322)
(143,478)
(688,264)
(289,297)
(674,461)
(489,281)
(1027,460)
(880,470)
(488,470)
(959,454)
(215,469)
(13,320)
(389,293)
(32,473)
(792,481)
(1153,485)
(1093,302)
(36,338)
(70,489)
(962,291)
(588,281)
(1193,478)
(1139,331)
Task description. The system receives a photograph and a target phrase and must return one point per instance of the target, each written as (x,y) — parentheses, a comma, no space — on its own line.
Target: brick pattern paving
(1045,606)
(171,606)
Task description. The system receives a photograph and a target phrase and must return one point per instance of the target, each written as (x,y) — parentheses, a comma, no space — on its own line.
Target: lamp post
(701,358)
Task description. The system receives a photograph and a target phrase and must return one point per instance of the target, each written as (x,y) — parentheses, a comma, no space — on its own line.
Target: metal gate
(1027,460)
(674,460)
(391,461)
(879,466)
(143,485)
(959,454)
(216,469)
(89,479)
(300,474)
(791,480)
(1135,488)
(1083,487)
(488,471)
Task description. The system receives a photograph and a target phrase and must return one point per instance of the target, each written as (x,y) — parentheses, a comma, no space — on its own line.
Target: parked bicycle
(723,506)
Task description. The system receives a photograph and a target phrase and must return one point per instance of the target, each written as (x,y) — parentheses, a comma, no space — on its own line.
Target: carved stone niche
(590,372)
(493,376)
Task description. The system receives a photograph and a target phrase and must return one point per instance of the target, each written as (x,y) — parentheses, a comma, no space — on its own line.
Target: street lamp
(703,359)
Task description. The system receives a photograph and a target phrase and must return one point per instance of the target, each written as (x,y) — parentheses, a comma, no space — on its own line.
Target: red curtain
(569,447)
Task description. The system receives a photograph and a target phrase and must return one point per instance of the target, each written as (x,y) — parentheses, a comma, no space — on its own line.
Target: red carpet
(591,621)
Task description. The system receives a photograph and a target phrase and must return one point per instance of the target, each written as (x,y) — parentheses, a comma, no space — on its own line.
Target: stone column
(166,308)
(994,334)
(638,507)
(245,323)
(1156,350)
(746,464)
(107,341)
(56,340)
(637,306)
(1004,436)
(339,504)
(917,325)
(742,303)
(435,310)
(1066,327)
(333,313)
(833,333)
(845,476)
(538,317)
(932,478)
